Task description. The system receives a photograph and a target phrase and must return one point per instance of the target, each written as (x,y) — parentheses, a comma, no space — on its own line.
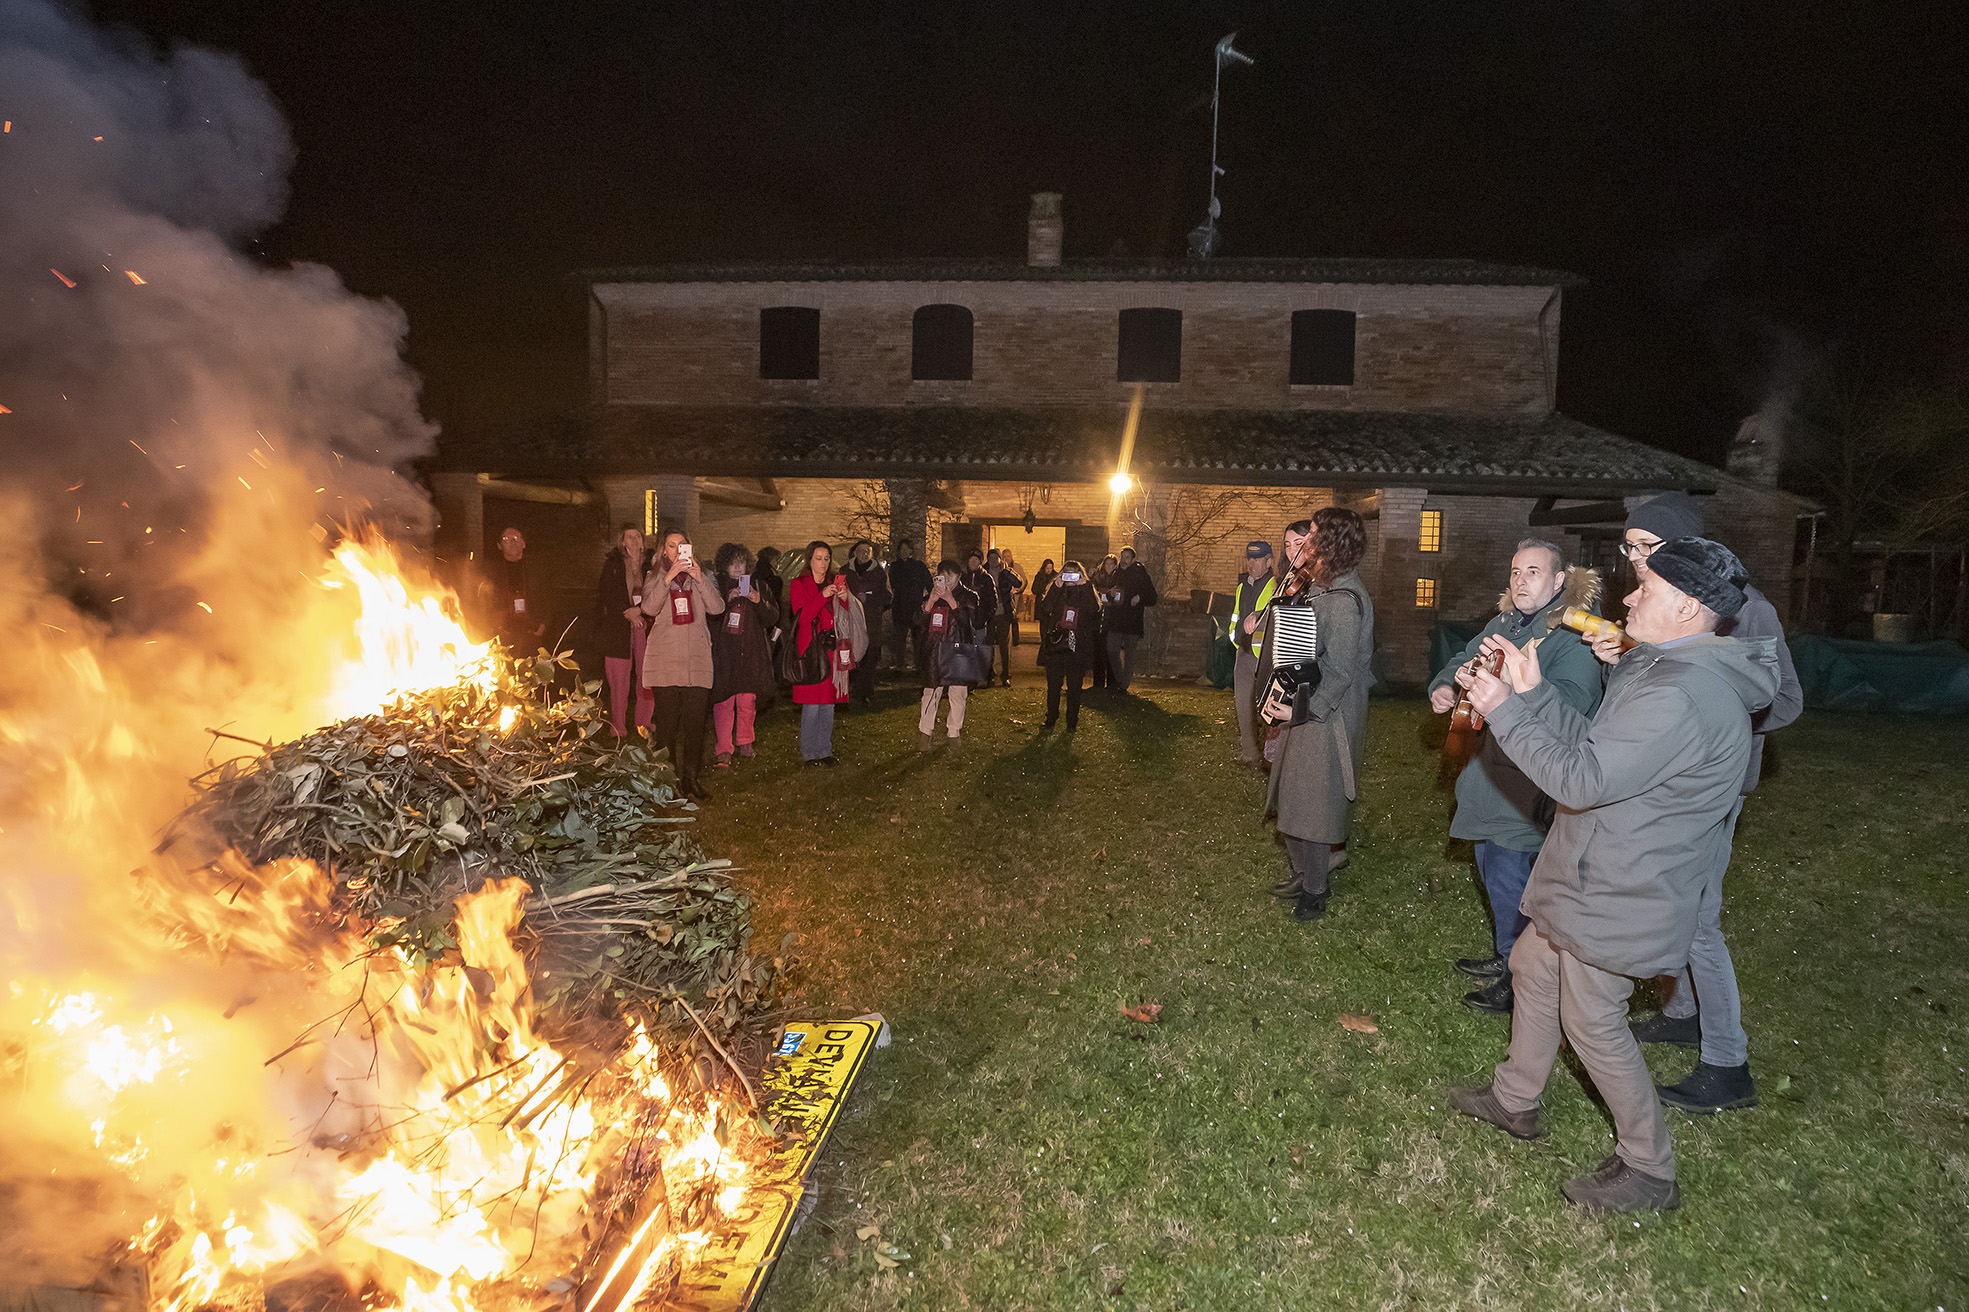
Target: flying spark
(66,280)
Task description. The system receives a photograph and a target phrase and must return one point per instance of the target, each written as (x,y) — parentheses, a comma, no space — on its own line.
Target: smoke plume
(184,429)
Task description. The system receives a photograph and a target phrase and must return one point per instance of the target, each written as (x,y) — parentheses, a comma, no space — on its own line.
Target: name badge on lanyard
(1071,620)
(844,658)
(731,620)
(519,605)
(936,620)
(683,608)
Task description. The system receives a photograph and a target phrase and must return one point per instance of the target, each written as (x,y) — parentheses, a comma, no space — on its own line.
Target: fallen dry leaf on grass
(1143,942)
(1358,1024)
(868,1232)
(1101,855)
(1148,1013)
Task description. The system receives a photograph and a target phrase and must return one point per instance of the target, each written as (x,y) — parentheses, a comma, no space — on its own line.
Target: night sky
(1752,194)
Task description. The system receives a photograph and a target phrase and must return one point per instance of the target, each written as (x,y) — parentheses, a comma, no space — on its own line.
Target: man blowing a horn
(1645,792)
(1504,813)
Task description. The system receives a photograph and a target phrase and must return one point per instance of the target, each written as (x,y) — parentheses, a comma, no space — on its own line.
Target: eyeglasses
(1640,550)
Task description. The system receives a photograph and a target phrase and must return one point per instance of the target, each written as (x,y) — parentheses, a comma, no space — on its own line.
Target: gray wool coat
(1644,790)
(1314,780)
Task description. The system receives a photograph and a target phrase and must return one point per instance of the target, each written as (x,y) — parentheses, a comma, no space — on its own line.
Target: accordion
(1294,647)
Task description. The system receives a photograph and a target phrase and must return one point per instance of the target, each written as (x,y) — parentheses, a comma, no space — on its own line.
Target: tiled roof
(1471,273)
(1546,455)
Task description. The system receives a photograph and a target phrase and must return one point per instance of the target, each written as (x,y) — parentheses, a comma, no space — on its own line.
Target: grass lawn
(1028,1147)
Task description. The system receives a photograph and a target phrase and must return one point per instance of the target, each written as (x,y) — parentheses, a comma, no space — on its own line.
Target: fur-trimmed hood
(1582,589)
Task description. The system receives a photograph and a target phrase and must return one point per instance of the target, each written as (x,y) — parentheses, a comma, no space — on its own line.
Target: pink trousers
(625,673)
(736,710)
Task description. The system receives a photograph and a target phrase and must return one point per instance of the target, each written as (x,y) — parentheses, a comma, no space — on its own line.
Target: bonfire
(458,1016)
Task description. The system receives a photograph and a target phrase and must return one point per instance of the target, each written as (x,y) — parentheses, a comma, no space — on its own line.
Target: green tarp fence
(1838,674)
(1900,678)
(1220,657)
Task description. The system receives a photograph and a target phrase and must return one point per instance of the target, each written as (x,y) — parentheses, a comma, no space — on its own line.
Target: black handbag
(811,666)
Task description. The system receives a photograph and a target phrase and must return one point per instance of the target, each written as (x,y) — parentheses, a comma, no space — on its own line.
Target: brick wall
(1456,349)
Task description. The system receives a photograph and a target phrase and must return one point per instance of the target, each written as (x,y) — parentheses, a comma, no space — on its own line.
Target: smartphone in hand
(684,553)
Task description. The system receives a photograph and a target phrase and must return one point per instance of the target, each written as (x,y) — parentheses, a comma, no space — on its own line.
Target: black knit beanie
(1670,515)
(1708,571)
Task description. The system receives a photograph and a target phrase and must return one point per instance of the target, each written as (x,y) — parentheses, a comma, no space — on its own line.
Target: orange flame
(278,1094)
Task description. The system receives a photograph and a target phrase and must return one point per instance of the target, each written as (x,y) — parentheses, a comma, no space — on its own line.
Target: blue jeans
(816,732)
(1505,871)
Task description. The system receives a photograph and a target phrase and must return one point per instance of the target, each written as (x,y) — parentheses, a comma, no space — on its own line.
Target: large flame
(273,1094)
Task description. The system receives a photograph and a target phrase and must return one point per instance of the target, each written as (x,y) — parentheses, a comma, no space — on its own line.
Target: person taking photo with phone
(677,664)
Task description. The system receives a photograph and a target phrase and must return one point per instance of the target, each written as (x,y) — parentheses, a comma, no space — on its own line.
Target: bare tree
(1888,463)
(1174,526)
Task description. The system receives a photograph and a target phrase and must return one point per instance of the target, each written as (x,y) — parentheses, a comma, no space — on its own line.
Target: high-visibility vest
(1258,609)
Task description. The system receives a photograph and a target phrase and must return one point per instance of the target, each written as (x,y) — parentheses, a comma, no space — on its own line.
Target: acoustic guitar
(1466,722)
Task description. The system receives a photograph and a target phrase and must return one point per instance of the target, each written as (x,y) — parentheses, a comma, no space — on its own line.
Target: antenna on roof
(1204,238)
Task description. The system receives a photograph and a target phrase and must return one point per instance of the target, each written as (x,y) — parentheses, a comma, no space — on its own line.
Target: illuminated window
(1432,531)
(1425,593)
(649,512)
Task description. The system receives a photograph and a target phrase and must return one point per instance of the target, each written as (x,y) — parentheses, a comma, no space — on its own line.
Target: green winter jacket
(1644,789)
(1495,802)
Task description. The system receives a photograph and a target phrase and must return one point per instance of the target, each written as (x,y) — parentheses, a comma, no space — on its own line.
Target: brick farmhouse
(969,401)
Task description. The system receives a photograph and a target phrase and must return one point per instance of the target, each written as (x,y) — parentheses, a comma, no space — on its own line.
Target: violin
(1298,580)
(1466,722)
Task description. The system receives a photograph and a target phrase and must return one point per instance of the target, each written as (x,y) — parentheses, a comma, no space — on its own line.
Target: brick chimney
(1044,231)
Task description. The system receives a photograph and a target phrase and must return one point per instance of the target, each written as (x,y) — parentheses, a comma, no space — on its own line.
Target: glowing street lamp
(1120,483)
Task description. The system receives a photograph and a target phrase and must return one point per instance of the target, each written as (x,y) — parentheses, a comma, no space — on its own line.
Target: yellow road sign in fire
(806,1083)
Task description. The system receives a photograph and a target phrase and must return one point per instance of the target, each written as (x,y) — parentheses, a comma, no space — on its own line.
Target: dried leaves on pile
(409,808)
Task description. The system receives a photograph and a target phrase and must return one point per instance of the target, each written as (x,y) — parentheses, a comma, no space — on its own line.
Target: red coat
(812,613)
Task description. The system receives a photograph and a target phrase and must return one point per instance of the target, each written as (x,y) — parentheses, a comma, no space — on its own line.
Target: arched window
(789,342)
(1151,347)
(1322,348)
(940,344)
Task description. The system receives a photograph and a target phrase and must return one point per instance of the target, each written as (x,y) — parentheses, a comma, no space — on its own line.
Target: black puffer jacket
(1051,616)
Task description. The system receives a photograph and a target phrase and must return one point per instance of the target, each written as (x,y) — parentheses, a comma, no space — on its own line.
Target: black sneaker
(1494,998)
(1311,906)
(1682,1031)
(1711,1089)
(1489,967)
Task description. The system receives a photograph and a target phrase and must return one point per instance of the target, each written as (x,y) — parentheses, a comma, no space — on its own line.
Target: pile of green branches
(410,808)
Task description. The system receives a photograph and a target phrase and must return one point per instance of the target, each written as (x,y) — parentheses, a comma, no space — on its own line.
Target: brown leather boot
(1481,1104)
(1618,1187)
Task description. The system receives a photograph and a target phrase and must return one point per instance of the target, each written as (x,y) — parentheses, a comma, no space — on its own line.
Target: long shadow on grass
(1146,730)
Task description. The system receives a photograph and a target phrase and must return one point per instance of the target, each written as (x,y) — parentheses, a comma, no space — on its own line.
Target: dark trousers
(677,722)
(909,645)
(1097,662)
(1310,861)
(1001,635)
(861,679)
(1067,676)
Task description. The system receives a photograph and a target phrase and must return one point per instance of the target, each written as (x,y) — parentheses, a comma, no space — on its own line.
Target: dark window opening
(940,344)
(789,342)
(1151,348)
(1323,348)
